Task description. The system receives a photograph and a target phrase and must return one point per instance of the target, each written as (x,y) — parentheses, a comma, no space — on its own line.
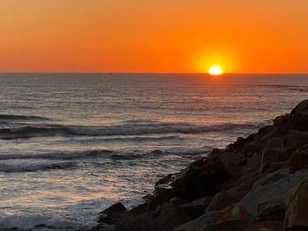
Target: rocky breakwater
(257,183)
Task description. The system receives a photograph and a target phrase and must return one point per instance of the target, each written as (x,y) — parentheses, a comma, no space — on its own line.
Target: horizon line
(152,73)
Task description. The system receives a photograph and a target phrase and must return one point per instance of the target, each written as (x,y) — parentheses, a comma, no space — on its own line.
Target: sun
(215,70)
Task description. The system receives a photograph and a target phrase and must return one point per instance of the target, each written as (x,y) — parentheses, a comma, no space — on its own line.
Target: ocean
(73,144)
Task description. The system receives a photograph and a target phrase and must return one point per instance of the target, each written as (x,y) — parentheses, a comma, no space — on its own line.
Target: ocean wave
(127,129)
(4,117)
(285,86)
(73,155)
(93,154)
(39,222)
(34,167)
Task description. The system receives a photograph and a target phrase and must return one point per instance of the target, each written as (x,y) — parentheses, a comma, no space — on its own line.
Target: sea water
(73,144)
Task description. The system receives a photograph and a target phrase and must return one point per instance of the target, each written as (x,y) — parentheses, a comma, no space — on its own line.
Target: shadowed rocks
(257,183)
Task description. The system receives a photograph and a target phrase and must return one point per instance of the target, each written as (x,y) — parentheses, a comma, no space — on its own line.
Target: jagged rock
(263,230)
(274,151)
(297,207)
(270,191)
(299,159)
(301,108)
(233,162)
(231,219)
(269,225)
(197,207)
(280,120)
(104,227)
(202,178)
(162,193)
(228,197)
(112,214)
(295,139)
(164,218)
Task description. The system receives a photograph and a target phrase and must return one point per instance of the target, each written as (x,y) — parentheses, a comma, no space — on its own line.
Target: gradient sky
(264,36)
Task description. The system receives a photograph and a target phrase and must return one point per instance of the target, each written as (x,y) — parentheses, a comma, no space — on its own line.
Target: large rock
(269,225)
(197,207)
(164,218)
(301,108)
(231,219)
(299,159)
(226,198)
(233,162)
(112,214)
(270,192)
(297,207)
(202,178)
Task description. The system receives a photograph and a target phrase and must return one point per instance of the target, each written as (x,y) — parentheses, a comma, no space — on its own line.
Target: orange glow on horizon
(215,70)
(156,36)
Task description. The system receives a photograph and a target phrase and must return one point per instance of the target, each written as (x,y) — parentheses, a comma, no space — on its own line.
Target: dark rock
(112,214)
(280,120)
(103,227)
(301,108)
(197,207)
(233,162)
(271,191)
(244,187)
(166,180)
(202,178)
(297,207)
(295,139)
(226,198)
(268,225)
(164,218)
(162,194)
(299,159)
(227,219)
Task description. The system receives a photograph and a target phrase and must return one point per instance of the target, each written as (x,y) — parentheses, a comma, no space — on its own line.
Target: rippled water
(72,144)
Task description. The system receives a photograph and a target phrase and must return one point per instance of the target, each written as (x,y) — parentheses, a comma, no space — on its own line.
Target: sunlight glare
(215,70)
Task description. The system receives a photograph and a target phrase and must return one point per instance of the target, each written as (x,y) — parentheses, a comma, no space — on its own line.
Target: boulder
(231,219)
(104,227)
(273,152)
(226,198)
(301,108)
(295,139)
(297,207)
(164,218)
(270,192)
(112,214)
(269,225)
(233,162)
(299,159)
(202,178)
(197,207)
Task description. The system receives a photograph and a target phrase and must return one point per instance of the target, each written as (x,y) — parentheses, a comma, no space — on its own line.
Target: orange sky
(264,36)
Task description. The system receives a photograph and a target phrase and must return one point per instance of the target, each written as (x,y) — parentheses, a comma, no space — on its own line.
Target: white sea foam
(39,223)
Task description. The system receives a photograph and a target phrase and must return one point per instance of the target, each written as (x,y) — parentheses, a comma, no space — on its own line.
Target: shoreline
(256,182)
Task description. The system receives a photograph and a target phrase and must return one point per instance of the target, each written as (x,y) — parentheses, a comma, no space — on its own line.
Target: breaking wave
(126,129)
(34,167)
